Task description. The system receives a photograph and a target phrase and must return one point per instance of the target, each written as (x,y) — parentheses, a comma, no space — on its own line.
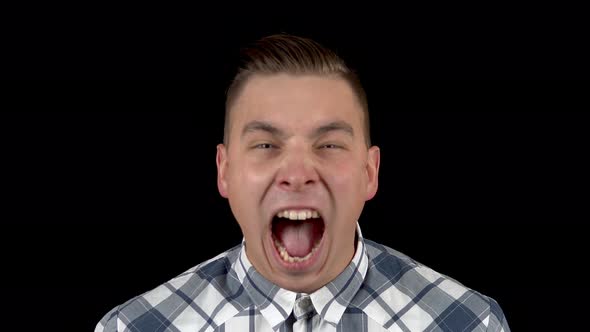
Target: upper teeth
(298,214)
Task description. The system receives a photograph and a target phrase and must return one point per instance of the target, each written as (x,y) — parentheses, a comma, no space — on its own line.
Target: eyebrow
(257,125)
(333,126)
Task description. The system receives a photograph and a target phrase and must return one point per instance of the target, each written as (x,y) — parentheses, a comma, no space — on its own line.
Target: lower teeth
(285,255)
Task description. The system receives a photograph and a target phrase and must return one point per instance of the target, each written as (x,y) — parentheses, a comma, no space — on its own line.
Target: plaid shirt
(380,290)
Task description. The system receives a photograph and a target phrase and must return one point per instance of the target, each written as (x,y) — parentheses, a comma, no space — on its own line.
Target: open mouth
(297,234)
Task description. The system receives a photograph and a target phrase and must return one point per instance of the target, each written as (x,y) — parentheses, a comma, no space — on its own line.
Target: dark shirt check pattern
(380,290)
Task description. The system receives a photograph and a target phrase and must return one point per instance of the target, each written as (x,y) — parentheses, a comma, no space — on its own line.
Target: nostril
(296,185)
(296,178)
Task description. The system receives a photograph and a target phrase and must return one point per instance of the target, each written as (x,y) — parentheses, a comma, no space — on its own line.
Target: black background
(109,186)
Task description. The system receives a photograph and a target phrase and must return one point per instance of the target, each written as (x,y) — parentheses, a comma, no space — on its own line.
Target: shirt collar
(330,301)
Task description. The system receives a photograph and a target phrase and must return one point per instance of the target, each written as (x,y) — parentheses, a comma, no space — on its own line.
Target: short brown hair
(295,55)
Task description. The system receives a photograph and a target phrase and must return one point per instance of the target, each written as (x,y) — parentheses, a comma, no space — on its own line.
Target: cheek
(251,178)
(247,183)
(249,172)
(345,177)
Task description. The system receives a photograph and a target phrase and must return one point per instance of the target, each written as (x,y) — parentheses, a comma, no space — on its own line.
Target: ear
(373,159)
(221,161)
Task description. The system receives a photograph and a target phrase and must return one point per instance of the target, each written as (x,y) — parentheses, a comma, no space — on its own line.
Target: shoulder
(177,300)
(421,297)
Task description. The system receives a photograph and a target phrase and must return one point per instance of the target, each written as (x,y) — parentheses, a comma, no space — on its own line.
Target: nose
(297,172)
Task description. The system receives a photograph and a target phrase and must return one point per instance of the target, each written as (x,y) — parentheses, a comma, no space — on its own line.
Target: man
(297,166)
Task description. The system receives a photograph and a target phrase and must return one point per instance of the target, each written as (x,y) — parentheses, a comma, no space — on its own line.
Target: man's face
(297,173)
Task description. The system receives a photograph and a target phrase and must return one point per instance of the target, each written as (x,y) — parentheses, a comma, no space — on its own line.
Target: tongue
(298,236)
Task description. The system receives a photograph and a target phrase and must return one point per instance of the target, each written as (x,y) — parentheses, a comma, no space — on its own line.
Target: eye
(329,146)
(264,146)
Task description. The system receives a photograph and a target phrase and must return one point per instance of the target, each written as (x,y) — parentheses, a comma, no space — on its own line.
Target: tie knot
(303,307)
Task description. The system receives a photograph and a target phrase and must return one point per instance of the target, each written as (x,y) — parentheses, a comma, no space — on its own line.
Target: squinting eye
(329,146)
(263,146)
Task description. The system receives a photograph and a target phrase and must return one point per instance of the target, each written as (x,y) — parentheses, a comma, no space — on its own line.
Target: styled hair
(283,53)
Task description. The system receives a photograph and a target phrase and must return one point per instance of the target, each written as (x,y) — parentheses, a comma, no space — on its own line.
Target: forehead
(296,101)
